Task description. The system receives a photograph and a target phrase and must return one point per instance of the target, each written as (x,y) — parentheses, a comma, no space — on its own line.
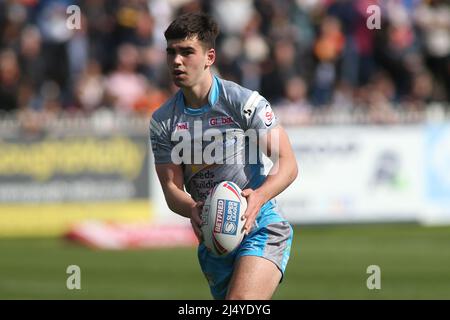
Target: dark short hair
(194,24)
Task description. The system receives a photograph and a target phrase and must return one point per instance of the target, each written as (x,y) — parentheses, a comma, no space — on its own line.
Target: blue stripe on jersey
(212,99)
(214,93)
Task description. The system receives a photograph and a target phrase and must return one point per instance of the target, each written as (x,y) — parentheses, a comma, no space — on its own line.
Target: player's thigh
(254,278)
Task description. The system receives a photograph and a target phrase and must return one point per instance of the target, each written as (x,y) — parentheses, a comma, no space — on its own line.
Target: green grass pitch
(327,262)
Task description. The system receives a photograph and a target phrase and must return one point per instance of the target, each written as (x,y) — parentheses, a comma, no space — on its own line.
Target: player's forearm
(179,201)
(281,175)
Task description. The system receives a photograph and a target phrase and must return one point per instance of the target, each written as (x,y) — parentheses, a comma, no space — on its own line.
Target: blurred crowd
(302,55)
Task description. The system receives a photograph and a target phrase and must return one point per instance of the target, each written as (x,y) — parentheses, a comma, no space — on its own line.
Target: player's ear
(210,57)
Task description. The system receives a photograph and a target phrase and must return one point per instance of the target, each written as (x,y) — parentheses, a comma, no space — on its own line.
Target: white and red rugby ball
(222,226)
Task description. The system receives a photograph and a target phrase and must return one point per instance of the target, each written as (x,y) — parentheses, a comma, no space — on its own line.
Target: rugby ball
(222,226)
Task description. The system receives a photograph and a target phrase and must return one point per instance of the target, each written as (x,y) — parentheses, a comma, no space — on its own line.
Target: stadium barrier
(356,174)
(361,174)
(65,171)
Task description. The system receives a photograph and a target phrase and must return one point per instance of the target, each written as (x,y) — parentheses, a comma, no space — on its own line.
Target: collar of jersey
(212,99)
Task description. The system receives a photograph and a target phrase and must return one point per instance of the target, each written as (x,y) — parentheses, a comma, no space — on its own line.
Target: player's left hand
(254,203)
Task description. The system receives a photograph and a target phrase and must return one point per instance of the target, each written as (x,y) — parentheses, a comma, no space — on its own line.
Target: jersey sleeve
(160,142)
(258,114)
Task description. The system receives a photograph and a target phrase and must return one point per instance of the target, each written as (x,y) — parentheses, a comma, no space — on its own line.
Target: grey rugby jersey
(216,142)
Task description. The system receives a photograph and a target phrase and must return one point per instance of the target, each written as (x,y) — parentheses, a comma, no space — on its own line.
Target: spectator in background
(9,80)
(124,86)
(230,58)
(364,41)
(343,98)
(276,71)
(90,88)
(380,93)
(264,45)
(154,97)
(232,15)
(242,48)
(32,66)
(345,11)
(327,49)
(31,59)
(398,49)
(51,19)
(255,50)
(101,31)
(295,108)
(421,91)
(13,16)
(151,58)
(303,35)
(434,21)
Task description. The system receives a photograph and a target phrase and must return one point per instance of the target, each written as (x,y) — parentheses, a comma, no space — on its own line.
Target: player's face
(188,61)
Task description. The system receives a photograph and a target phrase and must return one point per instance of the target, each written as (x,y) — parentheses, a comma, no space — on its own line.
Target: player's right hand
(196,220)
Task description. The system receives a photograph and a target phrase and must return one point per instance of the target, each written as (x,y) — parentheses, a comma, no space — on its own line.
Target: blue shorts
(270,238)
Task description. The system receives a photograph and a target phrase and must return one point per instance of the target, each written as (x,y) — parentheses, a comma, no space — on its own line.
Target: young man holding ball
(204,101)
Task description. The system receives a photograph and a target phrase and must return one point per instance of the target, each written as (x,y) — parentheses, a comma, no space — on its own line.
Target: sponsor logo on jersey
(268,115)
(182,126)
(220,121)
(220,144)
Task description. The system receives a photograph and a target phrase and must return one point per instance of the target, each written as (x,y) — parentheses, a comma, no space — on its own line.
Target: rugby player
(205,102)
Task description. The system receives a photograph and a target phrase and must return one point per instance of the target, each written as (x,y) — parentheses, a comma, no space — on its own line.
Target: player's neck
(197,96)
